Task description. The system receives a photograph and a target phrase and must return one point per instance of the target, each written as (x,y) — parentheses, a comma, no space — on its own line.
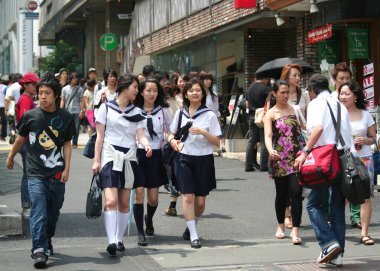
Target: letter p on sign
(108,41)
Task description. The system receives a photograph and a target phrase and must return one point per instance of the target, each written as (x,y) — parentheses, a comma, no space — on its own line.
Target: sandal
(280,233)
(295,240)
(367,240)
(288,222)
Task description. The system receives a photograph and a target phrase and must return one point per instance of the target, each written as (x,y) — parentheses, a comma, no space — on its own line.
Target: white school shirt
(161,119)
(318,113)
(197,145)
(213,104)
(119,131)
(360,127)
(98,95)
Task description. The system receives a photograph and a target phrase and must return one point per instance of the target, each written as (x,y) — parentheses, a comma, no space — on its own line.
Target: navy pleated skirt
(152,171)
(116,179)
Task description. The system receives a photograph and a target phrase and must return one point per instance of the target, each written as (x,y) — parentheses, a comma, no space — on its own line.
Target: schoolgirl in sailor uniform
(194,165)
(118,123)
(152,172)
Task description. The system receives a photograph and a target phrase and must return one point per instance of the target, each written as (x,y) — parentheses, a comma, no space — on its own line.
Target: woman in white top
(108,93)
(364,135)
(152,173)
(118,124)
(194,166)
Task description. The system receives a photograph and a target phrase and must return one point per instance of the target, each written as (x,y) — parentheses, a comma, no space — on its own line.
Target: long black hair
(160,100)
(358,92)
(189,85)
(203,75)
(49,80)
(125,83)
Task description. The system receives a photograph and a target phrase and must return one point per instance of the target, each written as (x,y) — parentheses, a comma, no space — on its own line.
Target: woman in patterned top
(284,140)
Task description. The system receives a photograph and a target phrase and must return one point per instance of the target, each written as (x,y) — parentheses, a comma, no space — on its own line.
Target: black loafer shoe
(256,165)
(149,230)
(40,259)
(120,246)
(112,249)
(186,234)
(141,240)
(196,243)
(249,169)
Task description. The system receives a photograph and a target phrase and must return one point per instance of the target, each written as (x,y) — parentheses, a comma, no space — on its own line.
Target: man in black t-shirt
(47,130)
(256,97)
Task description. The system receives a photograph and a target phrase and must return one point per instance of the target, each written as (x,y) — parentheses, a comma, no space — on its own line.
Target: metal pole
(108,62)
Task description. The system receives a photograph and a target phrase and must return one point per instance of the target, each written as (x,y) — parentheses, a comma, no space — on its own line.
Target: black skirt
(152,171)
(195,174)
(116,179)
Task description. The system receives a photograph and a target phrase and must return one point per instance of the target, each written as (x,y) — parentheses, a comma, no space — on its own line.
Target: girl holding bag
(118,124)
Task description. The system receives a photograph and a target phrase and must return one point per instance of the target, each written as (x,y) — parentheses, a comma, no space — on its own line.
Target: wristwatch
(305,150)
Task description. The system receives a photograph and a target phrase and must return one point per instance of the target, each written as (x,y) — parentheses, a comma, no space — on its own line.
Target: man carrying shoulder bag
(320,125)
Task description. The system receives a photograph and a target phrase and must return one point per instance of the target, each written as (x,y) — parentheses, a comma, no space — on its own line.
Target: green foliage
(63,56)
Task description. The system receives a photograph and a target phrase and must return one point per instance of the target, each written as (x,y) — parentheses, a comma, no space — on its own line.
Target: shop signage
(31,5)
(108,41)
(245,3)
(368,86)
(319,34)
(357,43)
(31,15)
(329,50)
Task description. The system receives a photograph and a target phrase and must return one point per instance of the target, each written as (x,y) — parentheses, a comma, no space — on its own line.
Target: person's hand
(196,131)
(359,141)
(103,97)
(176,144)
(299,161)
(10,162)
(81,115)
(273,154)
(95,167)
(148,150)
(65,175)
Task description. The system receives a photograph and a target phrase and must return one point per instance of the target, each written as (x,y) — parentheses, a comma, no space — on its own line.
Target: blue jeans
(47,198)
(77,127)
(325,233)
(25,200)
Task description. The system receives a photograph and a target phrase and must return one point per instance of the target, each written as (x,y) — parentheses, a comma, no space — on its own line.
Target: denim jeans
(255,134)
(325,233)
(77,127)
(47,198)
(25,200)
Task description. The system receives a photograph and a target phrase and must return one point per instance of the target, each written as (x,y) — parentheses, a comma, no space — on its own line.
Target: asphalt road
(237,231)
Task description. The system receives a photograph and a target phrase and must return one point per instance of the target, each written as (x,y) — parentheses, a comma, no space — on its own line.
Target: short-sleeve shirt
(213,104)
(161,120)
(119,131)
(360,128)
(2,95)
(98,95)
(90,99)
(256,96)
(25,103)
(74,105)
(303,102)
(318,113)
(203,118)
(45,158)
(14,92)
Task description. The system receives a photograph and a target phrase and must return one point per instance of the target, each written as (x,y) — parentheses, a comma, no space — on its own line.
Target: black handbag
(94,199)
(167,150)
(89,148)
(355,184)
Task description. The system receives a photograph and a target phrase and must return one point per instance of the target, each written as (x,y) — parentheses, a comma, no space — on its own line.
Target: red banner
(245,4)
(319,34)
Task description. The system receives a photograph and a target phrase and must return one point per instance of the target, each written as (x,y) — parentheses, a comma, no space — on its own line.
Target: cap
(29,78)
(91,70)
(318,80)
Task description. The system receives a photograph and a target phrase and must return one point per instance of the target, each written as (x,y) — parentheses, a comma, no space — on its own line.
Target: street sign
(124,16)
(31,5)
(31,15)
(108,41)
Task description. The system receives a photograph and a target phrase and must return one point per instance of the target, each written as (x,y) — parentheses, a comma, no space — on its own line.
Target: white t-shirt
(360,127)
(213,104)
(161,119)
(2,95)
(13,91)
(98,95)
(197,145)
(119,131)
(318,113)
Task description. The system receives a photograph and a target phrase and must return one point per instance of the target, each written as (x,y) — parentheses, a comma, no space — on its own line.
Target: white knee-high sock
(122,224)
(192,229)
(110,221)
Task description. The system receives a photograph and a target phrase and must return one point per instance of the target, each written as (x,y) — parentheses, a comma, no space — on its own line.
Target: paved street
(237,231)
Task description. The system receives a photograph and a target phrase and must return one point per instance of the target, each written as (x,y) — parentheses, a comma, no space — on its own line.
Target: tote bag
(94,199)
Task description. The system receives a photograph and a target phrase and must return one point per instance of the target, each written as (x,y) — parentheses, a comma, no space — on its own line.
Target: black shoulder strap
(299,94)
(49,131)
(179,119)
(338,135)
(73,93)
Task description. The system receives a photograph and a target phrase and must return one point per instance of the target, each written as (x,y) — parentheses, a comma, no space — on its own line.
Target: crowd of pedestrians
(134,116)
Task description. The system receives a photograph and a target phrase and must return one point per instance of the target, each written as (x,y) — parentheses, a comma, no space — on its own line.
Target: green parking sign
(108,41)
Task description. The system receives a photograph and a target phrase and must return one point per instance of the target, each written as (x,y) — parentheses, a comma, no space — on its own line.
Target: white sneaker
(329,253)
(337,261)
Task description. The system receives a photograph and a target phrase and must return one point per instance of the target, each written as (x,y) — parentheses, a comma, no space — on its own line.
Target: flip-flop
(280,235)
(367,240)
